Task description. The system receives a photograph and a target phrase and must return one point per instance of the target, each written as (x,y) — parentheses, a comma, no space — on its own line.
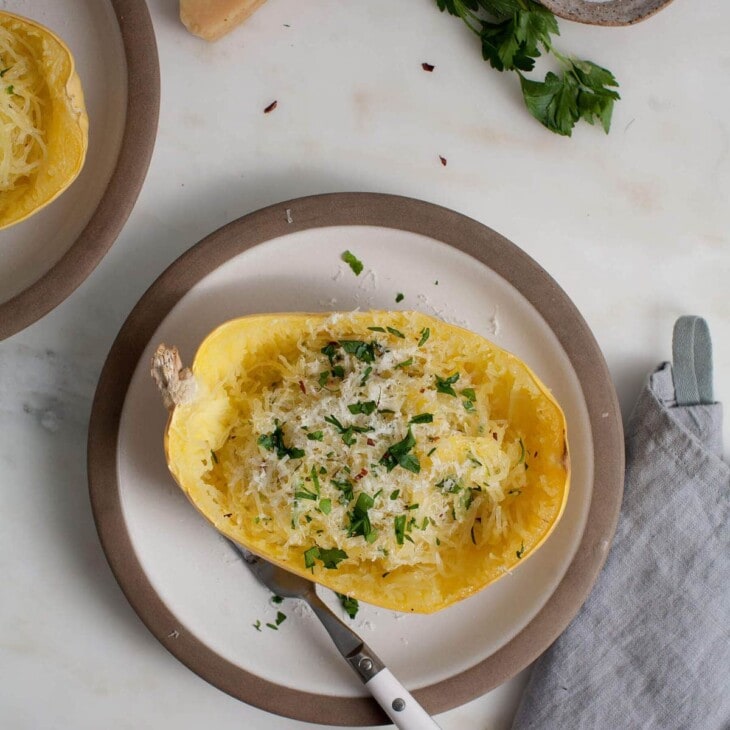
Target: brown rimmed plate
(184,581)
(46,257)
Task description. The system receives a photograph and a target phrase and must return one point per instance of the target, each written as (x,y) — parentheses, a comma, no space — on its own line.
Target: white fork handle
(398,703)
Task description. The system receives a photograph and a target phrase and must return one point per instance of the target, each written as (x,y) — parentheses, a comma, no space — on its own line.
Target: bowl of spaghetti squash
(43,118)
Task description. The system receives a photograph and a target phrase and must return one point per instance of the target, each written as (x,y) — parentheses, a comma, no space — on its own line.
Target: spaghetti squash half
(43,119)
(386,455)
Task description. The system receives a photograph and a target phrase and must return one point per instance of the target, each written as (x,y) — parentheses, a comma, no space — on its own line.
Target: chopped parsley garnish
(359,519)
(385,410)
(473,459)
(398,454)
(345,487)
(522,452)
(365,375)
(277,599)
(431,452)
(338,371)
(364,351)
(273,626)
(399,297)
(350,605)
(366,407)
(396,333)
(405,363)
(425,334)
(450,485)
(304,493)
(469,394)
(443,385)
(347,432)
(377,329)
(274,441)
(400,528)
(422,418)
(324,376)
(4,71)
(257,625)
(280,618)
(10,89)
(413,506)
(330,557)
(353,262)
(330,350)
(468,405)
(394,494)
(521,551)
(315,435)
(214,457)
(325,506)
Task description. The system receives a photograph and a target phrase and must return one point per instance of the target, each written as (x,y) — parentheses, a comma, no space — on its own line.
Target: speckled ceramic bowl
(607,12)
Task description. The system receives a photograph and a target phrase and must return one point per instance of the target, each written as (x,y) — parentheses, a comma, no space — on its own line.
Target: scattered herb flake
(397,454)
(431,452)
(350,605)
(377,329)
(521,551)
(405,364)
(443,385)
(400,528)
(277,599)
(353,262)
(394,494)
(399,297)
(325,506)
(365,375)
(331,557)
(273,626)
(315,435)
(274,441)
(363,351)
(280,618)
(366,407)
(257,625)
(425,334)
(469,394)
(396,333)
(422,418)
(469,405)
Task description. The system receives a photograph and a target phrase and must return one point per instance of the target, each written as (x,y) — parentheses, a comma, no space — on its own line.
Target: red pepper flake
(423,390)
(428,67)
(495,437)
(271,107)
(444,161)
(370,442)
(302,387)
(362,473)
(228,514)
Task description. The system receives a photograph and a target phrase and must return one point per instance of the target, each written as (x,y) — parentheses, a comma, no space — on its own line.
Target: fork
(391,695)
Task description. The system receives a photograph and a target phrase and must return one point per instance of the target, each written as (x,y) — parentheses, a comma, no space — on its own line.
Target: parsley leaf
(360,520)
(350,605)
(353,262)
(443,385)
(400,528)
(422,418)
(363,351)
(366,375)
(397,333)
(315,435)
(513,33)
(425,334)
(330,557)
(398,455)
(399,297)
(366,407)
(274,441)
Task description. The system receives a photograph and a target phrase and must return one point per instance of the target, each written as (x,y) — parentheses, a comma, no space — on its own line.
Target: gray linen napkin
(651,646)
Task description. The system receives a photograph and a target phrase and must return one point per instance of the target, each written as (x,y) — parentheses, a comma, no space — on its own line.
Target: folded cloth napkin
(651,646)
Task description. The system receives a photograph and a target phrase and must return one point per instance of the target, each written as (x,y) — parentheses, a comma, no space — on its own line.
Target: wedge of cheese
(211,20)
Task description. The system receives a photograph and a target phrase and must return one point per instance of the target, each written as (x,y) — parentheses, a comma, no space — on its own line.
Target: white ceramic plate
(206,589)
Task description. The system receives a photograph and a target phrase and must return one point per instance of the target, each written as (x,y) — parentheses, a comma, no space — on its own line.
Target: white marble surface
(634,226)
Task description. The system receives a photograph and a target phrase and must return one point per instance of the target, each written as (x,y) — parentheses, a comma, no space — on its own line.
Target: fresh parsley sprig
(513,34)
